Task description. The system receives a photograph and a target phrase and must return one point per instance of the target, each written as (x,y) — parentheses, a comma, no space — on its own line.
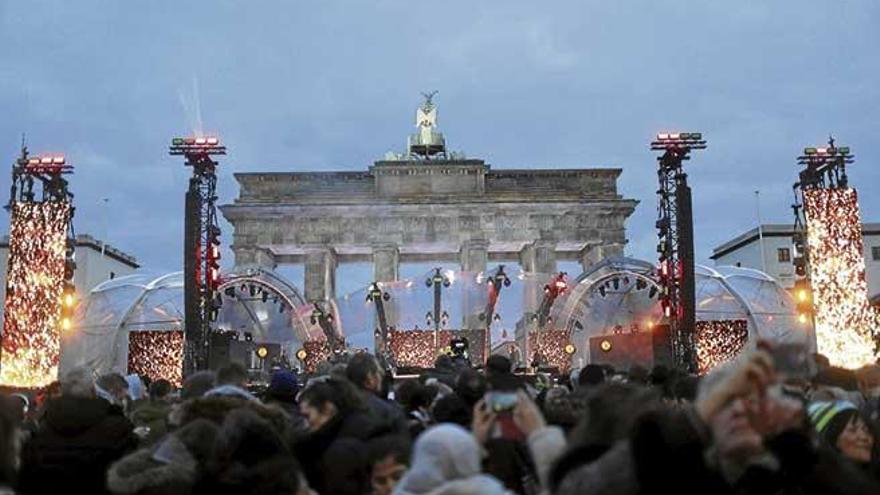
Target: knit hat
(283,385)
(821,413)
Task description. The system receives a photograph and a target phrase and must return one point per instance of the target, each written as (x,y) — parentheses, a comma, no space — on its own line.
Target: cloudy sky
(332,85)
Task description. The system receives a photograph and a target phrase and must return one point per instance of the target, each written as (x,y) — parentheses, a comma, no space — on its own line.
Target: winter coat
(446,461)
(77,440)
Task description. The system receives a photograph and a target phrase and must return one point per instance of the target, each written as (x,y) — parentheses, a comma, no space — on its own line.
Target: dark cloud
(333,85)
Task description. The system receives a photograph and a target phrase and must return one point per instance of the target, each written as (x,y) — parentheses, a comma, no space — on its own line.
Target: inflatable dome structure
(139,318)
(620,295)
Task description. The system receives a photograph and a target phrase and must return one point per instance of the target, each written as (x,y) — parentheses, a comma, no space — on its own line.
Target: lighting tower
(49,171)
(675,227)
(39,283)
(201,248)
(437,281)
(379,297)
(824,168)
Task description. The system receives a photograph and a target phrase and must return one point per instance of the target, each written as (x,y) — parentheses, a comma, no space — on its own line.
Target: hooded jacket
(77,441)
(446,461)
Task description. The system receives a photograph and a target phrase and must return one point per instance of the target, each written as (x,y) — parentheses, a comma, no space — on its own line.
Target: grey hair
(78,382)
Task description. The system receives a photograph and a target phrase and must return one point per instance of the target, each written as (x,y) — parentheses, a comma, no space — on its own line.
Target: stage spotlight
(602,291)
(616,282)
(578,325)
(248,337)
(265,296)
(625,280)
(570,349)
(282,308)
(262,352)
(605,345)
(640,284)
(230,291)
(652,292)
(252,290)
(302,354)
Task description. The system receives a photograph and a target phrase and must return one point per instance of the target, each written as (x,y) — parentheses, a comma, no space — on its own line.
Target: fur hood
(216,408)
(168,468)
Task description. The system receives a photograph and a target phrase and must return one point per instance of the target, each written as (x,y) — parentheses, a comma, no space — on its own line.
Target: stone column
(474,258)
(386,263)
(596,252)
(320,274)
(538,260)
(386,268)
(590,255)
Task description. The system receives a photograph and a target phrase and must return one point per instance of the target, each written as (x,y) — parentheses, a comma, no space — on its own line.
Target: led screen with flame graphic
(34,283)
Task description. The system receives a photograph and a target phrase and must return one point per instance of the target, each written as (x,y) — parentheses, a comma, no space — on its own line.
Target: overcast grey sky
(333,85)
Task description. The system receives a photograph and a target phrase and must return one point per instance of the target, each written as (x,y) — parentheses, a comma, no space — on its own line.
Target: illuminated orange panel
(34,284)
(844,319)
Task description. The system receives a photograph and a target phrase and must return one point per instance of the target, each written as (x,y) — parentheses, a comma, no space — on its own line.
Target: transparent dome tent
(408,304)
(255,303)
(620,295)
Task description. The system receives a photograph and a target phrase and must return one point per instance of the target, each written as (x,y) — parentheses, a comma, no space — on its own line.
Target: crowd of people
(745,428)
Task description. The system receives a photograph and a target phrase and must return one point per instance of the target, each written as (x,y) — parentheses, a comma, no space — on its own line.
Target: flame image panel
(845,322)
(35,277)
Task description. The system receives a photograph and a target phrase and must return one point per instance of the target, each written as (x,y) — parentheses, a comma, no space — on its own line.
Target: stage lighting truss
(675,246)
(40,296)
(202,276)
(187,146)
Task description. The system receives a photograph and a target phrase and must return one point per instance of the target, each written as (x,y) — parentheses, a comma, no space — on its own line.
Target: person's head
(233,374)
(250,457)
(160,390)
(591,375)
(451,409)
(389,460)
(364,371)
(498,365)
(283,386)
(321,401)
(197,384)
(115,385)
(736,440)
(608,412)
(78,383)
(413,396)
(470,386)
(444,362)
(841,427)
(562,408)
(442,454)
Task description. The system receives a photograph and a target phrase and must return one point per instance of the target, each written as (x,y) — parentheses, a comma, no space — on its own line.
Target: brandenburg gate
(426,205)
